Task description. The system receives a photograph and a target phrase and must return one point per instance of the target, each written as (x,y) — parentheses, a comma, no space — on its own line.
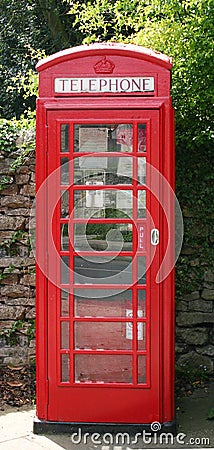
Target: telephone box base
(80,429)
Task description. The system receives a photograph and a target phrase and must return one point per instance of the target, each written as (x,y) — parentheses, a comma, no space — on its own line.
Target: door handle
(154,236)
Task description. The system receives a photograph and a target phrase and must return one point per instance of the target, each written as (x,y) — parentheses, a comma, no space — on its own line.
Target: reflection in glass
(142,138)
(101,336)
(65,368)
(64,138)
(102,203)
(142,204)
(100,270)
(64,335)
(64,237)
(102,302)
(141,369)
(103,236)
(103,138)
(97,170)
(141,170)
(103,368)
(140,329)
(64,204)
(141,269)
(64,173)
(141,335)
(64,309)
(141,303)
(64,269)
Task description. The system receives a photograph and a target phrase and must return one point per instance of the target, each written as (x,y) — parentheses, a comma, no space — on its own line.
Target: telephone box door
(104,359)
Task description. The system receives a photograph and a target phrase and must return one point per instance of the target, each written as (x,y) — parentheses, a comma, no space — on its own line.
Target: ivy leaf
(211,414)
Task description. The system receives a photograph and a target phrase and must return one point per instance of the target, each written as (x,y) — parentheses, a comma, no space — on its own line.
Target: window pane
(65,368)
(64,138)
(103,203)
(102,302)
(103,270)
(103,368)
(64,269)
(64,204)
(64,310)
(141,303)
(65,335)
(103,236)
(141,170)
(142,138)
(101,336)
(64,171)
(141,335)
(141,369)
(64,237)
(141,204)
(90,170)
(141,270)
(103,138)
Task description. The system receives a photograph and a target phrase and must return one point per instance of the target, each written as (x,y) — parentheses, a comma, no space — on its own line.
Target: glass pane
(64,310)
(64,335)
(141,270)
(64,204)
(92,170)
(103,270)
(64,269)
(103,236)
(103,203)
(101,336)
(65,368)
(141,335)
(141,303)
(102,302)
(64,174)
(142,138)
(141,170)
(103,368)
(141,369)
(64,138)
(64,237)
(103,138)
(142,204)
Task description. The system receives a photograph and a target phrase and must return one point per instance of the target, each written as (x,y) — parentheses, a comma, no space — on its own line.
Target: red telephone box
(105,180)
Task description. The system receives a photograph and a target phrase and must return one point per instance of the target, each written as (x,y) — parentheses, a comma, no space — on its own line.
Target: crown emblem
(104,66)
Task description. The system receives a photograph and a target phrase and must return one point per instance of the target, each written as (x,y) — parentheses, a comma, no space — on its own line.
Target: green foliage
(99,231)
(191,375)
(11,245)
(19,327)
(31,330)
(184,30)
(10,130)
(29,28)
(8,135)
(211,414)
(103,20)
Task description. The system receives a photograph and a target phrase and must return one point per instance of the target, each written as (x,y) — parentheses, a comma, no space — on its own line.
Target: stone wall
(195,336)
(17,264)
(195,331)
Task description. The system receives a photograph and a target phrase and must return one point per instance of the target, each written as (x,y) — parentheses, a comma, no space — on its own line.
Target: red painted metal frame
(53,318)
(47,316)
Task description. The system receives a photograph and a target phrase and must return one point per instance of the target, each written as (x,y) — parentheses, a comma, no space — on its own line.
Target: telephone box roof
(109,48)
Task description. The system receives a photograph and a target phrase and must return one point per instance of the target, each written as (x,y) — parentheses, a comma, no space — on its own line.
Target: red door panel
(103,302)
